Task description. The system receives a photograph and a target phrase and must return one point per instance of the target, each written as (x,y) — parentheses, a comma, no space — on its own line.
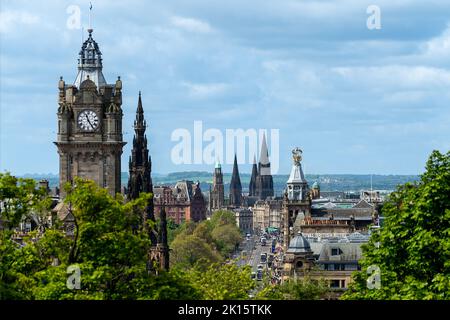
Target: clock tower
(89,136)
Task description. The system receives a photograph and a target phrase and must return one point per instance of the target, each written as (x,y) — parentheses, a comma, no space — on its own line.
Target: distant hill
(327,182)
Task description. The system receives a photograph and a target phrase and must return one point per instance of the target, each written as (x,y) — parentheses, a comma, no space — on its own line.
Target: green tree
(19,197)
(189,250)
(226,238)
(203,231)
(223,217)
(223,281)
(412,249)
(110,252)
(300,289)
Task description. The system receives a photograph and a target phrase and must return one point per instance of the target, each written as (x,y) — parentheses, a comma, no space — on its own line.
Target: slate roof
(348,252)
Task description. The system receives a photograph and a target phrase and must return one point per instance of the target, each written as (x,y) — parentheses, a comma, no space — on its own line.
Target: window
(339,266)
(299,264)
(335,251)
(334,284)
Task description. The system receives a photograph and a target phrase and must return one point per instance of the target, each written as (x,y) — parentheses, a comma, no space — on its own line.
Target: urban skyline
(363,101)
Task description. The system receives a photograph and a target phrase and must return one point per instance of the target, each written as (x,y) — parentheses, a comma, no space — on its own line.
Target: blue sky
(355,100)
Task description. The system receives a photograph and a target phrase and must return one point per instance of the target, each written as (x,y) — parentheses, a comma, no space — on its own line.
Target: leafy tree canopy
(412,249)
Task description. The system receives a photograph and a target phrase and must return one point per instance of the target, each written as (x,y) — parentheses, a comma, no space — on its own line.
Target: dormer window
(336,251)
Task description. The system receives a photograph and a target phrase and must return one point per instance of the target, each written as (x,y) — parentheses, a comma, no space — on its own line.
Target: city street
(253,250)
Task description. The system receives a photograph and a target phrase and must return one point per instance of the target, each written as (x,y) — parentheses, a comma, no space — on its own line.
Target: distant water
(327,182)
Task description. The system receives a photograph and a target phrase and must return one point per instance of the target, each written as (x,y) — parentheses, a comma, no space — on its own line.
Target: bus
(263,241)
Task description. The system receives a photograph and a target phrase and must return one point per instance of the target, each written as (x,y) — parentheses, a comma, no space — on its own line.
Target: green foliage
(223,217)
(190,250)
(205,242)
(19,197)
(226,237)
(412,249)
(110,252)
(222,281)
(301,289)
(172,230)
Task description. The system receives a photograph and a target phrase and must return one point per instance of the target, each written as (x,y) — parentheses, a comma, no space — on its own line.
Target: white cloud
(205,90)
(190,24)
(12,19)
(438,47)
(396,76)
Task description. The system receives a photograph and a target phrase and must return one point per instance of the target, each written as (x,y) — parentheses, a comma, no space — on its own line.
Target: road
(254,250)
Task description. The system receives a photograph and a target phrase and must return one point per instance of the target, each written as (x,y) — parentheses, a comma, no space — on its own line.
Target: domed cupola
(90,63)
(90,55)
(299,245)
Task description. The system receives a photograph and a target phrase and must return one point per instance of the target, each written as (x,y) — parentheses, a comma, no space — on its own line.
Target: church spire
(264,158)
(235,186)
(252,185)
(139,123)
(264,180)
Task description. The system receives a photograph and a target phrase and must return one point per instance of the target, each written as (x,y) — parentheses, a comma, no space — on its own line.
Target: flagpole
(90,10)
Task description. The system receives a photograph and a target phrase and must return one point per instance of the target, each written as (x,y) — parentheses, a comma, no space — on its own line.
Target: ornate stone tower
(296,202)
(89,136)
(140,166)
(235,186)
(217,192)
(264,180)
(140,180)
(140,163)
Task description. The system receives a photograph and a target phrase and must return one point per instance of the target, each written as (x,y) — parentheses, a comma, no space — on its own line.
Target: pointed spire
(140,170)
(139,108)
(235,185)
(139,113)
(235,175)
(217,165)
(264,163)
(264,156)
(252,185)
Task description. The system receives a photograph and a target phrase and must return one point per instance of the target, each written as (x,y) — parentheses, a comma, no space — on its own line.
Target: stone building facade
(183,202)
(267,213)
(244,219)
(89,138)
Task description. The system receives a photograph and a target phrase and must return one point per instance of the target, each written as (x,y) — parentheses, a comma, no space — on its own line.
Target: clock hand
(87,118)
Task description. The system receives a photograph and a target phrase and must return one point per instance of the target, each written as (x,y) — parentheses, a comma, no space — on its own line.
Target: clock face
(88,120)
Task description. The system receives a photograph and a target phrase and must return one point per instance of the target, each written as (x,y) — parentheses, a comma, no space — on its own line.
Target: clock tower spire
(89,138)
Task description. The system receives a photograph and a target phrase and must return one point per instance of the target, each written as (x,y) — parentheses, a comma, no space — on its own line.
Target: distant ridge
(327,182)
